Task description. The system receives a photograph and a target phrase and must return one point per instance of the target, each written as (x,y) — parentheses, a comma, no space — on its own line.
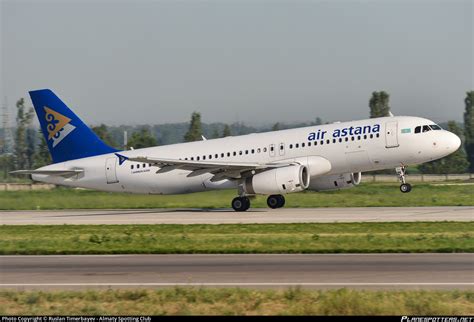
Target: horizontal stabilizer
(50,172)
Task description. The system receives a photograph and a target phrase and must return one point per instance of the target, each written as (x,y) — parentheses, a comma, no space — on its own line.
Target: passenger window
(131,167)
(258,150)
(297,145)
(417,129)
(352,138)
(291,146)
(340,140)
(315,143)
(378,135)
(253,151)
(347,139)
(222,155)
(371,136)
(365,137)
(272,148)
(235,153)
(210,156)
(302,145)
(264,149)
(204,157)
(358,137)
(322,142)
(328,141)
(197,158)
(333,140)
(217,155)
(246,151)
(138,166)
(240,152)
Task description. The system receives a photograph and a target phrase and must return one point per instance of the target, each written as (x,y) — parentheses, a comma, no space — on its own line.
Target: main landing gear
(243,203)
(275,201)
(404,187)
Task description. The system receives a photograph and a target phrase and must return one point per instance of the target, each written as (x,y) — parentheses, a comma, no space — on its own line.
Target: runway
(228,216)
(368,271)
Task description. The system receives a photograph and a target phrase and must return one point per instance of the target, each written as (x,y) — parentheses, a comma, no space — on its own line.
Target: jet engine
(294,178)
(335,182)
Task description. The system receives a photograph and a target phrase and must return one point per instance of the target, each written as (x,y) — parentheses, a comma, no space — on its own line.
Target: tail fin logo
(58,126)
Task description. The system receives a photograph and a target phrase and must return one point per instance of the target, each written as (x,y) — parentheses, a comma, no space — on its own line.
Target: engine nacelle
(294,178)
(335,182)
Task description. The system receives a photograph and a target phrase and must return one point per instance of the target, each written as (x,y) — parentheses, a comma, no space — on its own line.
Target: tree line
(30,149)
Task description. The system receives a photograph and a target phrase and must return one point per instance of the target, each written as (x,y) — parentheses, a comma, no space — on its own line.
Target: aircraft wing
(220,170)
(59,172)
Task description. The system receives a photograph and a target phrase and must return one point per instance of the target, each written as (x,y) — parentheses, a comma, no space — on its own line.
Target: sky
(257,62)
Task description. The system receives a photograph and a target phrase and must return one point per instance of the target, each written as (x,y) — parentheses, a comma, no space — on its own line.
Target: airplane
(318,158)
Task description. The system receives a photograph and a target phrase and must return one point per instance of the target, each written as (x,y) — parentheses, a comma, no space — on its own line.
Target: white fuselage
(394,144)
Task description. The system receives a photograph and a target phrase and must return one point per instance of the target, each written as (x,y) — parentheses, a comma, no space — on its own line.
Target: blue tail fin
(67,136)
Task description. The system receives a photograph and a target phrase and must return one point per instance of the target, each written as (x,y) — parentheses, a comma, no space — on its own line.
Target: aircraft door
(110,170)
(272,150)
(391,134)
(281,149)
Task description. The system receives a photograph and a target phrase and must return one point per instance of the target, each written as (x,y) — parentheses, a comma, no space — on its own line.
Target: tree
(453,163)
(226,132)
(195,128)
(6,164)
(379,104)
(103,133)
(318,121)
(42,156)
(23,121)
(276,126)
(215,133)
(142,139)
(469,128)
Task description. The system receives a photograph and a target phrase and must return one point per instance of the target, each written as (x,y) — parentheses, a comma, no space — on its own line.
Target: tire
(281,201)
(241,204)
(273,201)
(405,187)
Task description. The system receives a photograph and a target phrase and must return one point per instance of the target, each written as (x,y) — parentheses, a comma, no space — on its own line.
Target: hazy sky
(258,62)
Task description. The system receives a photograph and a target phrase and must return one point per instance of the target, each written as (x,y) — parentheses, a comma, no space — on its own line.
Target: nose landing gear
(404,187)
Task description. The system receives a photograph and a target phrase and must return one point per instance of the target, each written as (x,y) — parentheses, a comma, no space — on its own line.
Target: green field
(417,237)
(208,301)
(365,195)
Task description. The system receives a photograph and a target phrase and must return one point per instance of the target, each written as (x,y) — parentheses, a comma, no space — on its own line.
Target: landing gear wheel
(405,187)
(241,204)
(275,201)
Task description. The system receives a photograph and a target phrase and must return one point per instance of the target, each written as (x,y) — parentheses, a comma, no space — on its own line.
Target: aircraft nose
(454,142)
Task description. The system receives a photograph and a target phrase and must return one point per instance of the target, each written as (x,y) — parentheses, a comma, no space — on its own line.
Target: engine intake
(283,180)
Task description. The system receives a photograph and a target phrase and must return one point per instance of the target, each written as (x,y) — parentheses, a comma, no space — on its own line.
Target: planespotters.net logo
(437,319)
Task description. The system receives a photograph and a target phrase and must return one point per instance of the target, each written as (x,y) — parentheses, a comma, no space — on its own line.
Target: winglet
(121,158)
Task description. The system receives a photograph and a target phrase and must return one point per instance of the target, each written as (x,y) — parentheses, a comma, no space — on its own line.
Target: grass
(365,195)
(416,237)
(209,301)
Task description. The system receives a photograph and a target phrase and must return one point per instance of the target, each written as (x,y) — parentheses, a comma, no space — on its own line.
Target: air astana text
(352,130)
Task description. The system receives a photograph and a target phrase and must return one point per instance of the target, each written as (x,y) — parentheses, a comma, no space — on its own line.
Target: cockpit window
(426,128)
(436,127)
(417,129)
